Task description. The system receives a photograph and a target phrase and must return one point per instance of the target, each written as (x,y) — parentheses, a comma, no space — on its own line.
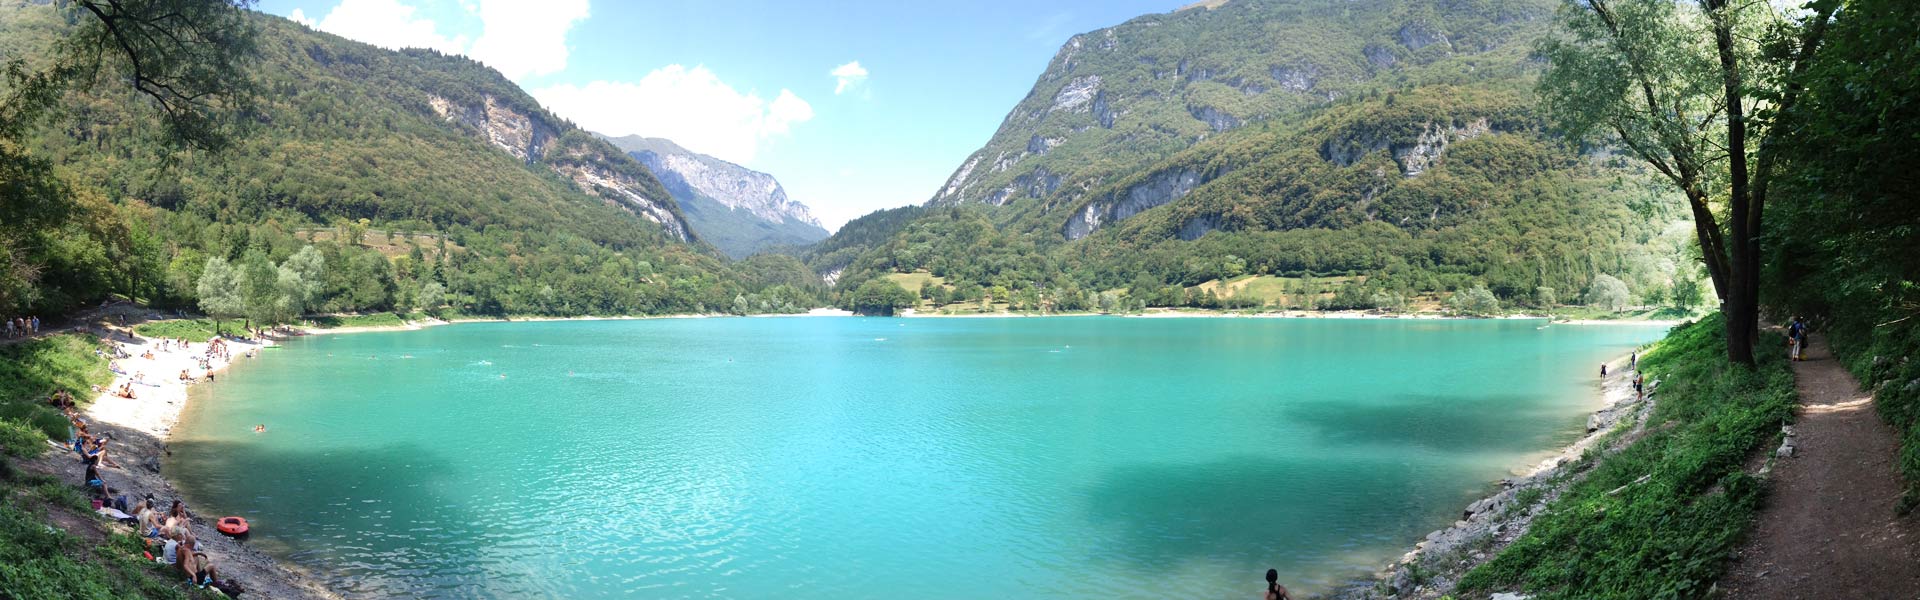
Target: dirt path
(1829,528)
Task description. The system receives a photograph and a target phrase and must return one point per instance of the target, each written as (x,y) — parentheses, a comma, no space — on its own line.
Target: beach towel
(113,513)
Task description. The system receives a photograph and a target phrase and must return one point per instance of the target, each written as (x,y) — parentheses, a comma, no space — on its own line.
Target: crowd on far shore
(17,327)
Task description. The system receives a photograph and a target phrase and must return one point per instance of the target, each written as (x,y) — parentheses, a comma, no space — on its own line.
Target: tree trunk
(1742,304)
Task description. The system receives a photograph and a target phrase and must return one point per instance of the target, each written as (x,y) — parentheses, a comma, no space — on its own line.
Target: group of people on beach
(167,534)
(216,350)
(23,326)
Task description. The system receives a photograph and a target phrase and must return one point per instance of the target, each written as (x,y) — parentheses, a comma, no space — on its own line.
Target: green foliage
(1669,535)
(1475,302)
(19,439)
(1843,224)
(31,371)
(192,330)
(1608,292)
(880,297)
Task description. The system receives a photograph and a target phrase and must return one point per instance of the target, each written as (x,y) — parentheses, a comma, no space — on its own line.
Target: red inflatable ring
(234,526)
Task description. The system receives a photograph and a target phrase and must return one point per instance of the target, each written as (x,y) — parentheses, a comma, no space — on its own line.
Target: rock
(1459,524)
(1509,596)
(1076,93)
(1435,536)
(1785,451)
(1215,118)
(1159,188)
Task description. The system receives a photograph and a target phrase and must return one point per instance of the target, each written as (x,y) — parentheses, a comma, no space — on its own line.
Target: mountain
(405,167)
(739,210)
(1393,144)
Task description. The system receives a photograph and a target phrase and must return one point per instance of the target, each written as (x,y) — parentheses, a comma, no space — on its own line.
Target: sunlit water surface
(878,458)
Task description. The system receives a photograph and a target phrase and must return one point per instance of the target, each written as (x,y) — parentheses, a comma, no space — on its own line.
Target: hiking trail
(1829,529)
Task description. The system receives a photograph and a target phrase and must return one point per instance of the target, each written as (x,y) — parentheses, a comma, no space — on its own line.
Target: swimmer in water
(261,428)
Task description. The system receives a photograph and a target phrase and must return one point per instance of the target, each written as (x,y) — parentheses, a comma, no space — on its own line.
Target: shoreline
(1435,564)
(141,429)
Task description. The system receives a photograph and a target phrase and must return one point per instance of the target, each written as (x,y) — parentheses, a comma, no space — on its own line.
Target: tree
(431,296)
(1546,296)
(1672,84)
(880,296)
(260,287)
(1608,292)
(185,55)
(1686,292)
(311,268)
(1476,302)
(219,291)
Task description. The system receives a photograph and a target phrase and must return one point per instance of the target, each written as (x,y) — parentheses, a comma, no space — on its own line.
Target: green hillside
(1414,154)
(542,217)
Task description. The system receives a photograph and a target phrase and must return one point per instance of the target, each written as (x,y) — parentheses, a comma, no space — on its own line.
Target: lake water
(878,458)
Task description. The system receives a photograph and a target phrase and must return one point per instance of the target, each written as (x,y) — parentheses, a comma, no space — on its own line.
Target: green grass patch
(379,319)
(1669,536)
(31,371)
(912,282)
(193,330)
(40,561)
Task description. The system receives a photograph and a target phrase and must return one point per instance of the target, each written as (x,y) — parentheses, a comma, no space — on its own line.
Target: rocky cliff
(595,166)
(739,210)
(1114,103)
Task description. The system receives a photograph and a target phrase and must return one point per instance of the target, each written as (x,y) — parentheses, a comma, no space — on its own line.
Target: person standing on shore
(1275,591)
(1633,360)
(1603,369)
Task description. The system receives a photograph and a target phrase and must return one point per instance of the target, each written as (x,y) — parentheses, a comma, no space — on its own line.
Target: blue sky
(855,106)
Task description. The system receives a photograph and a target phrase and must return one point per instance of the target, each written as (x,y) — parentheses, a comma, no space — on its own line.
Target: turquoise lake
(879,458)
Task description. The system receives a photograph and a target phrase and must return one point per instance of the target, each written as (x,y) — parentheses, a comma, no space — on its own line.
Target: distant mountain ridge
(739,210)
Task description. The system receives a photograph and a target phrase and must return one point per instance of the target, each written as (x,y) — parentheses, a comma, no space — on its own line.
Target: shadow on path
(1829,529)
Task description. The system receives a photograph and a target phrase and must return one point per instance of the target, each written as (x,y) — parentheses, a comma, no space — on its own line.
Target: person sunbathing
(177,516)
(204,567)
(183,559)
(100,450)
(149,520)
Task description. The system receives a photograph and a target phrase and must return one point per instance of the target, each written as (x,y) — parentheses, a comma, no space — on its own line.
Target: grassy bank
(37,558)
(33,370)
(1658,518)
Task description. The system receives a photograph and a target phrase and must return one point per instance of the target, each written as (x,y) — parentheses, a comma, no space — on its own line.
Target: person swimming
(1275,591)
(261,428)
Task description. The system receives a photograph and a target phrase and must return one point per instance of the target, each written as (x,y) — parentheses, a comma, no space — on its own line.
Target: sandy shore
(139,428)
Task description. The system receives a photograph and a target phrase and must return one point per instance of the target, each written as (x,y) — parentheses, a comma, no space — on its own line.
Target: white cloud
(526,37)
(692,107)
(520,38)
(385,23)
(848,76)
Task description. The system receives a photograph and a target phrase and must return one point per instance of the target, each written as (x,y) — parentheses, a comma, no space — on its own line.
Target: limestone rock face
(1414,156)
(593,166)
(739,210)
(1159,188)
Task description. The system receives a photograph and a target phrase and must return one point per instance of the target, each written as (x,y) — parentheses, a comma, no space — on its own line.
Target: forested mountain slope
(739,210)
(519,211)
(1398,141)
